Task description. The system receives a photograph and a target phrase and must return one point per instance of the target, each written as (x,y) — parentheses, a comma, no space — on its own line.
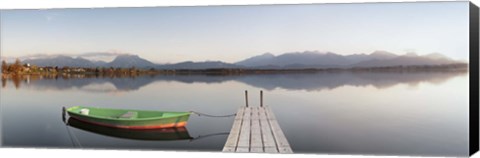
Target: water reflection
(327,112)
(167,134)
(4,82)
(296,81)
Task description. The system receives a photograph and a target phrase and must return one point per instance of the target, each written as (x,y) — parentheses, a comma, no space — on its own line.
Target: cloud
(106,56)
(101,56)
(92,54)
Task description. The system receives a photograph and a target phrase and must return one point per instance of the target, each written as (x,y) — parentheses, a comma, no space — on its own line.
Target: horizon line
(116,53)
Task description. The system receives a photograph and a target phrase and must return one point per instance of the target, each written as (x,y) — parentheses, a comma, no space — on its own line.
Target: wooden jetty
(255,129)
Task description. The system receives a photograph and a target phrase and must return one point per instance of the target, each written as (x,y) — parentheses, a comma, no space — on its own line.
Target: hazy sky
(232,33)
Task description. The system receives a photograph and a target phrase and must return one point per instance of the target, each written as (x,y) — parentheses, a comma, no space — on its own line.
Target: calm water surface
(414,113)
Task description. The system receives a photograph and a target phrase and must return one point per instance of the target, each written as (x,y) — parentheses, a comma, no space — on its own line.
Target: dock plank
(243,149)
(256,134)
(269,112)
(285,150)
(280,139)
(229,149)
(271,150)
(232,140)
(256,149)
(267,135)
(239,114)
(244,139)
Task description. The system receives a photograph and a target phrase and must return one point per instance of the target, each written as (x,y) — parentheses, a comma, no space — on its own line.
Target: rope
(75,139)
(70,136)
(208,115)
(209,135)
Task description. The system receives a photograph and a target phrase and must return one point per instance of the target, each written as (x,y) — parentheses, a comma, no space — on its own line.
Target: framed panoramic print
(355,78)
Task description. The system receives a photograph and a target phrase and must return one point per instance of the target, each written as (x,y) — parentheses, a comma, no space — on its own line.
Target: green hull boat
(129,119)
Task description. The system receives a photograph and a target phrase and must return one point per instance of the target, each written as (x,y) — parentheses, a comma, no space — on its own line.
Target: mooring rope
(70,136)
(209,135)
(74,138)
(208,115)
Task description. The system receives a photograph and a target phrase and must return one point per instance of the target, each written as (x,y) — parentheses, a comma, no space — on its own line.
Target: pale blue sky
(232,33)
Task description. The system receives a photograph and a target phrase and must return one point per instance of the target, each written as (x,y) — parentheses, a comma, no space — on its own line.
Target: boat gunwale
(136,119)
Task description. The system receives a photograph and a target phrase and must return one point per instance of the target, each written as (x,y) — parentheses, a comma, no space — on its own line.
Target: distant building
(78,70)
(26,67)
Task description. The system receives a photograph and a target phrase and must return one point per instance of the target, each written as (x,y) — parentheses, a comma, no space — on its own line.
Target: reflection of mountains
(296,81)
(322,81)
(94,84)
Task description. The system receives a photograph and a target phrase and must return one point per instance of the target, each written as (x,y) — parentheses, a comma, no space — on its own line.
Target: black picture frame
(474,75)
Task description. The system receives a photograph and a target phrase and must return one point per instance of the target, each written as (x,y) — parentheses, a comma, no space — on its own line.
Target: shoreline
(237,71)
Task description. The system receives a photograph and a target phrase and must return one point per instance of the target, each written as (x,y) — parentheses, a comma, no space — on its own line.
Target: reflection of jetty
(256,129)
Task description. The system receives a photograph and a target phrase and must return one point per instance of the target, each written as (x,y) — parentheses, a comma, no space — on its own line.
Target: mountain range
(292,60)
(315,59)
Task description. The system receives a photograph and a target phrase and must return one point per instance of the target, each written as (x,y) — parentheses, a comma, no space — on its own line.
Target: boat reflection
(166,134)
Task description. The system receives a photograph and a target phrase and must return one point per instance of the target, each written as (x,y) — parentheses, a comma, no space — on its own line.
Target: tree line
(12,68)
(17,68)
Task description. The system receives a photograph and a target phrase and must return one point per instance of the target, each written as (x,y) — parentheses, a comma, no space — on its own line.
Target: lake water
(401,113)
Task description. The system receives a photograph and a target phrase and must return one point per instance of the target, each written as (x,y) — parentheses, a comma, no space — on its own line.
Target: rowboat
(129,119)
(163,134)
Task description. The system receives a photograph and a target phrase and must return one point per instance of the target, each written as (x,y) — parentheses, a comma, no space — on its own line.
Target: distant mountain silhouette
(382,55)
(61,61)
(436,56)
(198,65)
(257,60)
(292,60)
(377,55)
(297,58)
(123,61)
(127,61)
(314,59)
(408,59)
(99,63)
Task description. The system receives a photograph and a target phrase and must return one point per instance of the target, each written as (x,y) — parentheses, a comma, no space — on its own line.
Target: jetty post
(261,98)
(246,98)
